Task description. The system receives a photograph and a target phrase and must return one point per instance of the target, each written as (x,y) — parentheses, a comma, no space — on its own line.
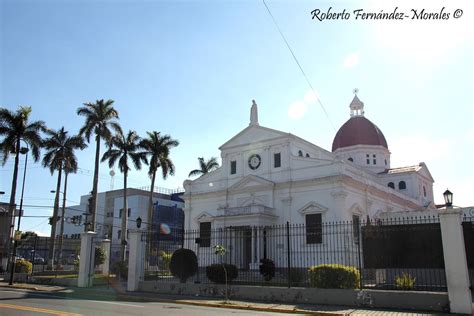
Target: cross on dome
(356,106)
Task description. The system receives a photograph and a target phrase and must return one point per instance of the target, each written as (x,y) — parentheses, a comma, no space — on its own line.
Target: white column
(86,261)
(136,259)
(106,264)
(455,263)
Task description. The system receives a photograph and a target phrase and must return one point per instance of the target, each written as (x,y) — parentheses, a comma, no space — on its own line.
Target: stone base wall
(421,301)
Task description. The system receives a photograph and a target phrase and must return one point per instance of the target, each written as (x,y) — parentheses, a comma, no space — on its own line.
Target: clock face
(254,161)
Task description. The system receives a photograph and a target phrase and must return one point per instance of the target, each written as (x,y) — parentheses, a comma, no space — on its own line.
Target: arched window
(350,159)
(402,185)
(307,155)
(391,185)
(300,153)
(424,191)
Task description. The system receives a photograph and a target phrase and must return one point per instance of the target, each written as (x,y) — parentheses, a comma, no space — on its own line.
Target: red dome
(358,131)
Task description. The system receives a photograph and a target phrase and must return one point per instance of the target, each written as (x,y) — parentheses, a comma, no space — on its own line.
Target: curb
(233,306)
(196,303)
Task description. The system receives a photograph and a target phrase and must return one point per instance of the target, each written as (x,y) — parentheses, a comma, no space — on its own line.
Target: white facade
(269,177)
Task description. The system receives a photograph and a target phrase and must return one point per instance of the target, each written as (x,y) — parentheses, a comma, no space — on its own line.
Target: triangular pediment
(204,217)
(424,171)
(311,208)
(251,181)
(251,135)
(356,209)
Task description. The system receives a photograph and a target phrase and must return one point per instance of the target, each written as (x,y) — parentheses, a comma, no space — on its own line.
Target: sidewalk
(117,292)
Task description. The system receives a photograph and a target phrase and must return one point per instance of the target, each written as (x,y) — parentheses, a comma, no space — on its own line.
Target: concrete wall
(428,301)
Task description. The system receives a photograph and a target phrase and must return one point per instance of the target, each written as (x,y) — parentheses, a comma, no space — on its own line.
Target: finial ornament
(355,91)
(254,114)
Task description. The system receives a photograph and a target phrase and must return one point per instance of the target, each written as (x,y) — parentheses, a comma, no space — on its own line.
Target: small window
(205,234)
(402,185)
(128,213)
(368,159)
(391,185)
(277,160)
(314,229)
(351,159)
(119,234)
(385,161)
(424,191)
(300,153)
(233,167)
(374,159)
(307,155)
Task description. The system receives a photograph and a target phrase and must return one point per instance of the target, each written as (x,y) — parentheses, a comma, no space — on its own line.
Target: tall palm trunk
(96,181)
(63,211)
(53,221)
(124,217)
(150,203)
(11,208)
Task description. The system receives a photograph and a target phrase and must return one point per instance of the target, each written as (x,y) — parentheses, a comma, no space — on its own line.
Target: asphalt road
(25,303)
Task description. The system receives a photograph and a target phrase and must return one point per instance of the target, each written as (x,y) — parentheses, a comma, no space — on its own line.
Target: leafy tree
(15,127)
(99,256)
(157,149)
(121,149)
(100,117)
(59,151)
(205,166)
(29,234)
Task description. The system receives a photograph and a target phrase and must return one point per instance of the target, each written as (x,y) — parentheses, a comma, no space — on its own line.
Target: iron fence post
(288,252)
(359,254)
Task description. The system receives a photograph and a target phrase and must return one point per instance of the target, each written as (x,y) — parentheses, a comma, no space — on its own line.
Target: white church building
(269,177)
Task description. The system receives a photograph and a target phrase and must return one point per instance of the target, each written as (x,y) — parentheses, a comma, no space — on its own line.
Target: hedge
(334,276)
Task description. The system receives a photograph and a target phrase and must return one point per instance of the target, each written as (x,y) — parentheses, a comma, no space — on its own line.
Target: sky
(190,69)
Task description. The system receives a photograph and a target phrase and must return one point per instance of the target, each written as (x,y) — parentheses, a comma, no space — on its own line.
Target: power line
(299,65)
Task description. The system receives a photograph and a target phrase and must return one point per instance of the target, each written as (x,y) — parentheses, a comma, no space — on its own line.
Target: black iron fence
(401,253)
(36,250)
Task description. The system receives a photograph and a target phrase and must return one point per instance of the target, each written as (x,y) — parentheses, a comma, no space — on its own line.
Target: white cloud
(311,97)
(297,110)
(411,150)
(351,60)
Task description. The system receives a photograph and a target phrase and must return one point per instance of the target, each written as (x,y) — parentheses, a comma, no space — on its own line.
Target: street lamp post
(24,151)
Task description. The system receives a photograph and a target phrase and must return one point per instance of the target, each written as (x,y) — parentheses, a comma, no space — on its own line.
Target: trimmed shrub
(215,272)
(296,276)
(23,266)
(267,269)
(183,264)
(405,282)
(165,259)
(334,276)
(120,268)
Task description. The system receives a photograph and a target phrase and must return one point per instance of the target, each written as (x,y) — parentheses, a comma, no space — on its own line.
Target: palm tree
(205,167)
(100,116)
(157,149)
(70,166)
(59,151)
(122,148)
(15,127)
